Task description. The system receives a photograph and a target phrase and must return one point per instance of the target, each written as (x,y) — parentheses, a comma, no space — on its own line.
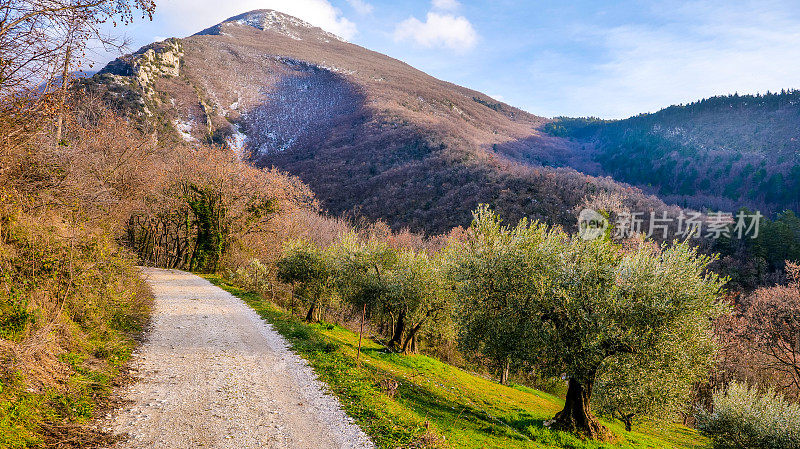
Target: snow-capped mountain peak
(278,22)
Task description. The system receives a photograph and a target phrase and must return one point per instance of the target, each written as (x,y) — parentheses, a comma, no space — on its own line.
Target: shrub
(743,418)
(254,276)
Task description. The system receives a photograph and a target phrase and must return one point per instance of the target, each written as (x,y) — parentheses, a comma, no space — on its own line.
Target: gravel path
(213,374)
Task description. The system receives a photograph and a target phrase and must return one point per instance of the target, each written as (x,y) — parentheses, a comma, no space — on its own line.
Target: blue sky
(611,59)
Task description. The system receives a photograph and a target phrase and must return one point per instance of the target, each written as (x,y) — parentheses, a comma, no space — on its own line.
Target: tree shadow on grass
(449,413)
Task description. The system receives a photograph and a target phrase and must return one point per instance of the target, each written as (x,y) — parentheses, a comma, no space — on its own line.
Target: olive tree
(491,274)
(657,382)
(571,307)
(360,269)
(416,292)
(307,268)
(380,281)
(360,273)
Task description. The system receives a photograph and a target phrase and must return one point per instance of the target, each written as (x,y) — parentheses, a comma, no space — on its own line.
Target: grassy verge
(417,401)
(57,416)
(70,315)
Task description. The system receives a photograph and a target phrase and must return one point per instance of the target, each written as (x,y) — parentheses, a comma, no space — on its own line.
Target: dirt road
(213,374)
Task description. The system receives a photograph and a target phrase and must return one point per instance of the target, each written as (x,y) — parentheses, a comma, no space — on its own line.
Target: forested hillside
(720,153)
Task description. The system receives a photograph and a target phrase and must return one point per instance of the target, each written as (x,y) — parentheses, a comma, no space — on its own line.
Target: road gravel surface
(213,374)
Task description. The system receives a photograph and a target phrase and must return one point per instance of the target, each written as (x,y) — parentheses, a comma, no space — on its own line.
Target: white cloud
(701,50)
(191,16)
(446,5)
(361,7)
(438,30)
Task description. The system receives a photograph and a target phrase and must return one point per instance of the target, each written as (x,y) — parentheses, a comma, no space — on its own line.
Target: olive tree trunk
(627,419)
(505,371)
(577,415)
(361,332)
(311,315)
(399,330)
(410,344)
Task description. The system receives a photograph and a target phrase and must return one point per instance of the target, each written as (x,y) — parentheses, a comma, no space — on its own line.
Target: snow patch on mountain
(237,141)
(185,130)
(300,110)
(269,20)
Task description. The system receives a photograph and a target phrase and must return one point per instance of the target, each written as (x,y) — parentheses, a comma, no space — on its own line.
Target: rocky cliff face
(131,83)
(161,59)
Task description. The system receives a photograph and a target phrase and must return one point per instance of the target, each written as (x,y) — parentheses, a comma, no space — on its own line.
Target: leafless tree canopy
(36,35)
(761,344)
(40,41)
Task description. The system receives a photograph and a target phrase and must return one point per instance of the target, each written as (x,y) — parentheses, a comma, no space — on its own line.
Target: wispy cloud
(438,30)
(361,7)
(700,50)
(446,5)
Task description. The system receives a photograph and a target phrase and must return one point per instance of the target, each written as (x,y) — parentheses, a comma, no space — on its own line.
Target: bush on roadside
(254,276)
(71,308)
(744,418)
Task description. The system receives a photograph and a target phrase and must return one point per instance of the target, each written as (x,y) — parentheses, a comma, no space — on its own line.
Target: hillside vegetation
(722,153)
(418,401)
(71,303)
(76,217)
(71,308)
(85,196)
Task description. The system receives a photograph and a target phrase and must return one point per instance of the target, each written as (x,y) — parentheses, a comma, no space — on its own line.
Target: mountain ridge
(268,19)
(723,152)
(370,134)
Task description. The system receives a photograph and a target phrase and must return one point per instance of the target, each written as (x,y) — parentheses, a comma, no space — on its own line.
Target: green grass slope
(418,401)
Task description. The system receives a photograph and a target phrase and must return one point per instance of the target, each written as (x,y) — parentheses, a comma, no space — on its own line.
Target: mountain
(371,135)
(721,153)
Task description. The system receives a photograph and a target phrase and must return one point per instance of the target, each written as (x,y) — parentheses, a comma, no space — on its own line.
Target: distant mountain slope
(370,134)
(722,152)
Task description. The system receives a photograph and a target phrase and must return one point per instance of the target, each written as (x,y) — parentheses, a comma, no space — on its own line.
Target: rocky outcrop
(149,63)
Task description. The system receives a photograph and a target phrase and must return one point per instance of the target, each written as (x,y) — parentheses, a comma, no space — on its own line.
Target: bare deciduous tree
(40,42)
(766,335)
